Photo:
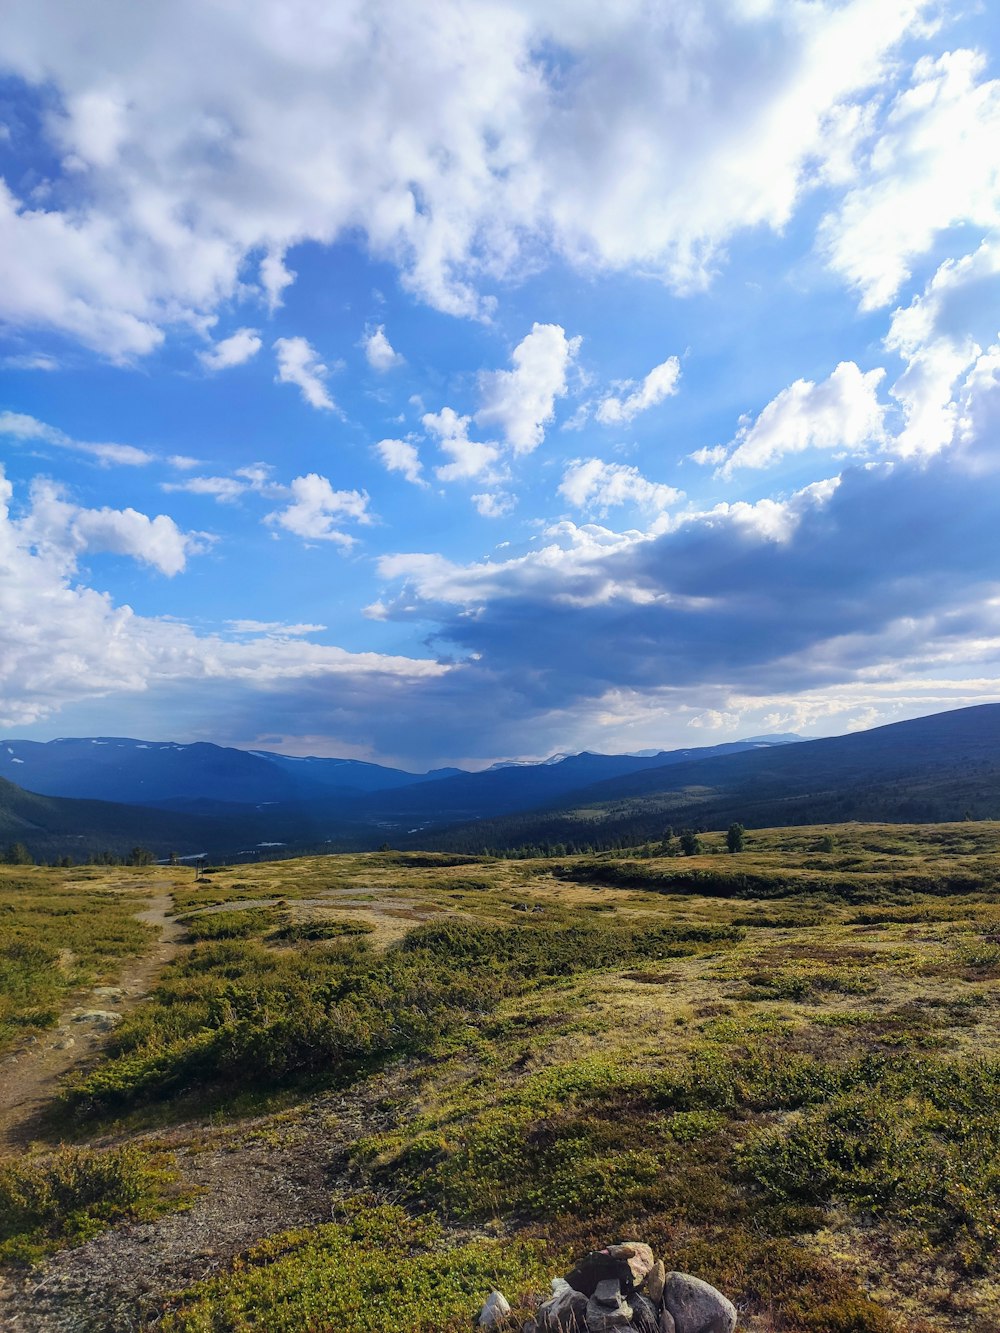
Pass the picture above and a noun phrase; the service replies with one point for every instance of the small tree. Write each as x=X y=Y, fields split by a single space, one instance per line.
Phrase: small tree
x=690 y=843
x=18 y=855
x=140 y=856
x=736 y=837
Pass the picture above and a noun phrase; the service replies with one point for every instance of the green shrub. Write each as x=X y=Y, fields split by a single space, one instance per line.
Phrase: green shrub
x=67 y=1195
x=377 y=1269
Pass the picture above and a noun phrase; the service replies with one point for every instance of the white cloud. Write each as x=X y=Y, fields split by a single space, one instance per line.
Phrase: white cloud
x=31 y=361
x=841 y=412
x=938 y=336
x=66 y=642
x=379 y=351
x=470 y=458
x=299 y=364
x=592 y=484
x=933 y=167
x=232 y=351
x=522 y=401
x=315 y=508
x=402 y=456
x=186 y=159
x=223 y=489
x=64 y=531
x=710 y=455
x=20 y=426
x=254 y=477
x=494 y=504
x=183 y=463
x=275 y=276
x=273 y=628
x=660 y=383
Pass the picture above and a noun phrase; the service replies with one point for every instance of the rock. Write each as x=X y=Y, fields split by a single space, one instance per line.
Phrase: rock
x=697 y=1307
x=607 y=1310
x=564 y=1312
x=66 y=1044
x=655 y=1279
x=112 y=993
x=629 y=1262
x=495 y=1312
x=102 y=1019
x=644 y=1315
x=667 y=1324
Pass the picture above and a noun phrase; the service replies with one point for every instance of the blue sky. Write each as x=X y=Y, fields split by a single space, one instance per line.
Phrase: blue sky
x=449 y=382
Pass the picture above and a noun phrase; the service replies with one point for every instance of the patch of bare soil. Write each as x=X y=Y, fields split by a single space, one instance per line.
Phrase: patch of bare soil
x=29 y=1077
x=250 y=1181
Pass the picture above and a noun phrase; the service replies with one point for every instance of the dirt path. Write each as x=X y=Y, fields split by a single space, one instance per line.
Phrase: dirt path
x=29 y=1077
x=253 y=1180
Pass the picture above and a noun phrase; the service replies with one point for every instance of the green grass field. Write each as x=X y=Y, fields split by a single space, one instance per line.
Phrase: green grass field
x=781 y=1068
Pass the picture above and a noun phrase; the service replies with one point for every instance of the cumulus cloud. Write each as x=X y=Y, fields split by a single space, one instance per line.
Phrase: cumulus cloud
x=589 y=483
x=379 y=352
x=184 y=159
x=660 y=383
x=816 y=592
x=19 y=426
x=470 y=458
x=299 y=364
x=239 y=347
x=521 y=402
x=939 y=336
x=402 y=456
x=841 y=412
x=64 y=531
x=315 y=507
x=66 y=643
x=933 y=166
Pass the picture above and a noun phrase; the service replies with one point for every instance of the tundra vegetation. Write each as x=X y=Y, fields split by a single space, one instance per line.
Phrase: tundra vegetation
x=777 y=1063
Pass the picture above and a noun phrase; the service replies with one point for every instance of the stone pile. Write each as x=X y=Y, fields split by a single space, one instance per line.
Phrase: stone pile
x=620 y=1289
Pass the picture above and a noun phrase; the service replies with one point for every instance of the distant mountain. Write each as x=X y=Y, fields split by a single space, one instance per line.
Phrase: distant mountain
x=509 y=787
x=941 y=767
x=117 y=768
x=933 y=768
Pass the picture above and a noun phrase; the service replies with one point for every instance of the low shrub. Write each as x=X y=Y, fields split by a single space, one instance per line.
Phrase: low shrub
x=68 y=1195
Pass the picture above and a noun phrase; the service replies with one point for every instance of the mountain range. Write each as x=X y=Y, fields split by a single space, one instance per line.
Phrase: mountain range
x=229 y=802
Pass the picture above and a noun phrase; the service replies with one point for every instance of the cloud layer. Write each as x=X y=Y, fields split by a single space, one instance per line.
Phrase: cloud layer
x=198 y=151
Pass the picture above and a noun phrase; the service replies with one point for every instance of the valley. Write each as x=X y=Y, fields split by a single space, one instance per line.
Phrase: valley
x=362 y=1090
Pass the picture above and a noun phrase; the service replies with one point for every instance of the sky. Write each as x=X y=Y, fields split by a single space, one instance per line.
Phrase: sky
x=468 y=380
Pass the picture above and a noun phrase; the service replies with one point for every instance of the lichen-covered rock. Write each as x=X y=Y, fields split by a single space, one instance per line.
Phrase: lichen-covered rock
x=652 y=1288
x=495 y=1312
x=607 y=1310
x=564 y=1312
x=628 y=1262
x=696 y=1306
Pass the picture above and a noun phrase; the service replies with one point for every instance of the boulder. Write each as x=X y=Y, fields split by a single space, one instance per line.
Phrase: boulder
x=607 y=1310
x=667 y=1324
x=644 y=1314
x=696 y=1306
x=655 y=1279
x=495 y=1312
x=564 y=1312
x=628 y=1262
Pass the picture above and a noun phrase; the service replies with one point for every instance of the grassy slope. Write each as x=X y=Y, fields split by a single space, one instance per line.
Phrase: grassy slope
x=943 y=767
x=789 y=1082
